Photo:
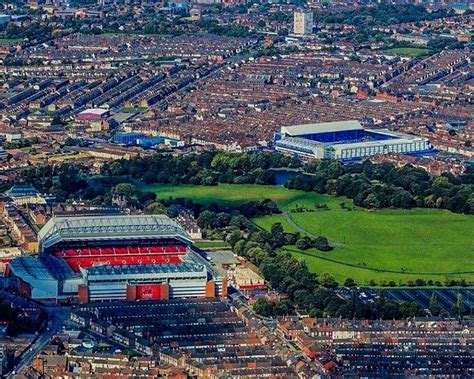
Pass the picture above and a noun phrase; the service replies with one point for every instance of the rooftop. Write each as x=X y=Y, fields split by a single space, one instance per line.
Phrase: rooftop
x=46 y=268
x=108 y=227
x=94 y=111
x=22 y=190
x=321 y=127
x=165 y=268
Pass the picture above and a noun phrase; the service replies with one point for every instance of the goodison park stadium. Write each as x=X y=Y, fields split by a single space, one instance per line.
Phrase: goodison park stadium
x=117 y=257
x=345 y=141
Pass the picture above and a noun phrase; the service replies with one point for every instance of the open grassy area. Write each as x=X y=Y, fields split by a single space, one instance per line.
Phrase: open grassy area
x=134 y=109
x=9 y=41
x=212 y=244
x=410 y=51
x=231 y=195
x=382 y=245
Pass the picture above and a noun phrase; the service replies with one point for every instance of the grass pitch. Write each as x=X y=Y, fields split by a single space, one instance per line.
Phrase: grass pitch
x=410 y=51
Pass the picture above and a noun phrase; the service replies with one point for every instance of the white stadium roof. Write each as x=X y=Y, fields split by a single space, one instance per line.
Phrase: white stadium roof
x=322 y=127
x=109 y=227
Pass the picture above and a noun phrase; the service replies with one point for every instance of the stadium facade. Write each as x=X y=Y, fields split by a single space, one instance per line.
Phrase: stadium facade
x=115 y=257
x=345 y=141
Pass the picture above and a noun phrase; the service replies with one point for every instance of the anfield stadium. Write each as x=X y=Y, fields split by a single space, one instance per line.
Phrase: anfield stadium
x=345 y=141
x=115 y=257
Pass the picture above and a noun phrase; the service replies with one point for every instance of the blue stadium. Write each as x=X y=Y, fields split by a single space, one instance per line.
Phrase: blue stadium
x=345 y=140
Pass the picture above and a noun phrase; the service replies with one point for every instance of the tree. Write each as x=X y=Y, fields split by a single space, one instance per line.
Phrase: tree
x=240 y=221
x=327 y=280
x=278 y=235
x=458 y=307
x=57 y=121
x=263 y=307
x=277 y=229
x=434 y=306
x=256 y=255
x=125 y=189
x=206 y=219
x=233 y=237
x=409 y=309
x=221 y=220
x=372 y=201
x=239 y=247
x=322 y=244
x=349 y=282
x=155 y=208
x=69 y=179
x=304 y=243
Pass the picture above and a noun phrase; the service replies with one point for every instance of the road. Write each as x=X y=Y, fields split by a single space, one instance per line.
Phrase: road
x=56 y=319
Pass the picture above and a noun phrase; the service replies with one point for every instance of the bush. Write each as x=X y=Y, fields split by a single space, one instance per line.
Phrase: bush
x=349 y=282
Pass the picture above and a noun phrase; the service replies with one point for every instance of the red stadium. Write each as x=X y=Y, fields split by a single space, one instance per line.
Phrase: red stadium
x=84 y=242
x=79 y=256
x=116 y=257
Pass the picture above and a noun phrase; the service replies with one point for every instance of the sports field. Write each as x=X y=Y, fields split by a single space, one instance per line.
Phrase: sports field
x=382 y=245
x=410 y=51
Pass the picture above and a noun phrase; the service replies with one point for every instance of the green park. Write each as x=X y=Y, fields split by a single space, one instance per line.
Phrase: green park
x=410 y=51
x=387 y=246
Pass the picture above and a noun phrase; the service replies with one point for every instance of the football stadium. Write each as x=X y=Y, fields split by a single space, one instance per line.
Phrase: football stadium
x=98 y=258
x=345 y=141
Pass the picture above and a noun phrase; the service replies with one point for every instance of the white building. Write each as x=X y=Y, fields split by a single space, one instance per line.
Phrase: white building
x=303 y=22
x=345 y=140
x=187 y=279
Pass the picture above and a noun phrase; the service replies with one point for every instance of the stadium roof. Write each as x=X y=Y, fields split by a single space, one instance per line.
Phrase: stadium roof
x=31 y=269
x=301 y=144
x=110 y=227
x=140 y=270
x=322 y=127
x=21 y=190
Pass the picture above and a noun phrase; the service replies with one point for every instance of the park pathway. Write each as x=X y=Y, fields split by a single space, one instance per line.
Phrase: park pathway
x=298 y=228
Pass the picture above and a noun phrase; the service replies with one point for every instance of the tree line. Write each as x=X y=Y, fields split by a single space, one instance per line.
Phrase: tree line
x=383 y=14
x=369 y=185
x=385 y=185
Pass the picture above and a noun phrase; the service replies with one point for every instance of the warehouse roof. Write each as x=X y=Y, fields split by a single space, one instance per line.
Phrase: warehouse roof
x=109 y=227
x=94 y=111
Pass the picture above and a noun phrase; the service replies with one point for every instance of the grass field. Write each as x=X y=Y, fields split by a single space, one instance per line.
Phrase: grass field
x=212 y=244
x=134 y=109
x=9 y=41
x=382 y=245
x=227 y=194
x=410 y=51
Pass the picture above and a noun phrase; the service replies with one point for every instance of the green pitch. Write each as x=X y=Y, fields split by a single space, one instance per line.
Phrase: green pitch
x=410 y=51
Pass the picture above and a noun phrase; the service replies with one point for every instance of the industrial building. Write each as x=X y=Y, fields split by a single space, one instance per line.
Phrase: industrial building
x=93 y=114
x=128 y=138
x=115 y=257
x=345 y=141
